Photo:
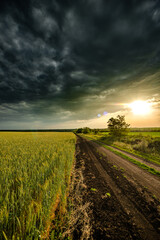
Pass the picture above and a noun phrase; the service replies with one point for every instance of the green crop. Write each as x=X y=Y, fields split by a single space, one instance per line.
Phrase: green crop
x=35 y=171
x=94 y=189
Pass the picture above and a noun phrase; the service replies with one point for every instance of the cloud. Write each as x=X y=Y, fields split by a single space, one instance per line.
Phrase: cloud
x=77 y=57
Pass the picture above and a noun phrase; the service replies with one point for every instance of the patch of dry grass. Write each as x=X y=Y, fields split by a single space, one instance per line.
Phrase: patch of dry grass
x=79 y=223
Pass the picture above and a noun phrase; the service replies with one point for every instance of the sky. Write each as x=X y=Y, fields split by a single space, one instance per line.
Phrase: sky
x=70 y=64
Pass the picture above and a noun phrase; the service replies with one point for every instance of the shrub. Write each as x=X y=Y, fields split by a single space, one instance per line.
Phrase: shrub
x=142 y=146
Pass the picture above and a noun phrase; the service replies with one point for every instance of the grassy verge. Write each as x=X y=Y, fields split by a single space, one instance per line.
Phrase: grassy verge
x=146 y=156
x=139 y=164
x=103 y=137
x=75 y=222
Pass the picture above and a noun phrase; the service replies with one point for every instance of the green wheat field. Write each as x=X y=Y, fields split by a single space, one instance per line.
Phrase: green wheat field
x=35 y=171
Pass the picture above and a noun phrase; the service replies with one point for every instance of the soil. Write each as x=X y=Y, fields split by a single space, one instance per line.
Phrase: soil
x=123 y=204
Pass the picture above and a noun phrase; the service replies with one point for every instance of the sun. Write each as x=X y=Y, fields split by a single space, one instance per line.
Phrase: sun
x=140 y=107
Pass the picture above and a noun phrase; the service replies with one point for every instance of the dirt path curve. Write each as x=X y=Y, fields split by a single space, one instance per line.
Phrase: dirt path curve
x=128 y=210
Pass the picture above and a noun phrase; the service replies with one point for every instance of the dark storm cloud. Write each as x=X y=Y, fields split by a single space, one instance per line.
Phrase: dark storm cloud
x=65 y=55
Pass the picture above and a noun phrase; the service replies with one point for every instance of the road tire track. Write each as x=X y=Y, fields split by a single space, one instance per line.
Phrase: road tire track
x=133 y=206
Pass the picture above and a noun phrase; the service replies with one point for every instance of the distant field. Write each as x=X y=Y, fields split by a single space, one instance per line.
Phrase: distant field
x=152 y=129
x=151 y=134
x=35 y=172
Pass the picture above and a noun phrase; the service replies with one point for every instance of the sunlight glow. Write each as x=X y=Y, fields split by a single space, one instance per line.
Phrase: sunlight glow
x=140 y=107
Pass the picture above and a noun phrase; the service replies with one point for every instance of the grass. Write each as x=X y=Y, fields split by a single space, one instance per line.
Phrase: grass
x=152 y=157
x=108 y=195
x=147 y=147
x=35 y=173
x=139 y=164
x=76 y=220
x=94 y=189
x=150 y=134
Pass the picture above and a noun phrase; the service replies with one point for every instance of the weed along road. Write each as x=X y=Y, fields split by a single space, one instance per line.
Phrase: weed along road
x=124 y=199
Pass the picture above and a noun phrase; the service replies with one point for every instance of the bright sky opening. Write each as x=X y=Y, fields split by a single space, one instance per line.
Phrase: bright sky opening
x=140 y=107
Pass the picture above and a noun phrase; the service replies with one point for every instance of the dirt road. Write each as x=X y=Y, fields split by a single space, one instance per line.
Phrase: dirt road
x=148 y=163
x=122 y=201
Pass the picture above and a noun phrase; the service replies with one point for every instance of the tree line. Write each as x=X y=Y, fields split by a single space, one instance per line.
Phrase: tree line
x=116 y=126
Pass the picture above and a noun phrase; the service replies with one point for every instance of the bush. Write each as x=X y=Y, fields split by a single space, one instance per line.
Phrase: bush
x=86 y=130
x=142 y=146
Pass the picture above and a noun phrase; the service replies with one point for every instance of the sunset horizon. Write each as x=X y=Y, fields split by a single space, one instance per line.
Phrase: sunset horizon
x=67 y=64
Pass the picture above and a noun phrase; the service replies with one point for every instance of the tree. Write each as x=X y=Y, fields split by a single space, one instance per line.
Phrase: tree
x=83 y=130
x=86 y=130
x=96 y=131
x=118 y=126
x=79 y=130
